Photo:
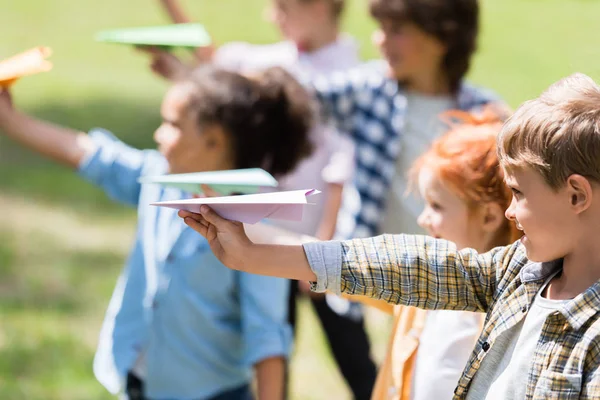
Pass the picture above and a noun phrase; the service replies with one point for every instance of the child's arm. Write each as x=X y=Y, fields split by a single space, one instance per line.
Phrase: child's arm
x=338 y=172
x=175 y=11
x=333 y=202
x=229 y=243
x=399 y=269
x=267 y=335
x=367 y=301
x=64 y=145
x=99 y=157
x=178 y=16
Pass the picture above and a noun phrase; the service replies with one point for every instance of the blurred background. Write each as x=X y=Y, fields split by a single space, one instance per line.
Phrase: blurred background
x=63 y=243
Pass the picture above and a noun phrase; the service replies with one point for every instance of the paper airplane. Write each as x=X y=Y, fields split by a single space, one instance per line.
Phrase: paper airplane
x=27 y=63
x=264 y=233
x=176 y=35
x=242 y=181
x=250 y=208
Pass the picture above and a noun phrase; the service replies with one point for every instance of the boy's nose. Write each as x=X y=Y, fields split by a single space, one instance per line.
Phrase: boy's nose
x=158 y=136
x=510 y=211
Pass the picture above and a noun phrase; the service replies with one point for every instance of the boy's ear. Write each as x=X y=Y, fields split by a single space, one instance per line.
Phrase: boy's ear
x=493 y=217
x=215 y=137
x=579 y=190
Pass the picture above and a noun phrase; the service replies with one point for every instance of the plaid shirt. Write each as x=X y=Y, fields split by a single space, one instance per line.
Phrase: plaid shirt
x=372 y=107
x=433 y=274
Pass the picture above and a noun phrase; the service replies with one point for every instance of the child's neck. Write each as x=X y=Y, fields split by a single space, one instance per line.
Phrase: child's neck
x=431 y=82
x=322 y=38
x=581 y=269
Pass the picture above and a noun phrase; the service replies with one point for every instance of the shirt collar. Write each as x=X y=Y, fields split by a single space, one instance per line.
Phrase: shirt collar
x=576 y=311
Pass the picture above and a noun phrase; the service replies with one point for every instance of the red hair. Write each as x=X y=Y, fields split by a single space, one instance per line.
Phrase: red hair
x=465 y=160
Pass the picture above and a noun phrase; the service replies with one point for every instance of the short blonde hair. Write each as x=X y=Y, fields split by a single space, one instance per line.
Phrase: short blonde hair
x=557 y=134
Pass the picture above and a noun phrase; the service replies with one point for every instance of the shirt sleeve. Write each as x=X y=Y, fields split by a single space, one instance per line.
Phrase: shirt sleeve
x=114 y=167
x=231 y=56
x=412 y=270
x=264 y=307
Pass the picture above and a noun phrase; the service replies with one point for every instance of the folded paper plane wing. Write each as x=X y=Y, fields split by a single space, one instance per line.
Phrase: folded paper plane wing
x=175 y=35
x=239 y=181
x=250 y=208
x=30 y=62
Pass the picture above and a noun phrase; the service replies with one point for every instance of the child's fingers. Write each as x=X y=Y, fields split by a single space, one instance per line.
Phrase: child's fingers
x=197 y=226
x=208 y=191
x=212 y=217
x=187 y=214
x=149 y=49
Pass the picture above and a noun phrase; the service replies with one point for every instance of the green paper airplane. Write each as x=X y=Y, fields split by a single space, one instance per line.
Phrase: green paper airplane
x=176 y=35
x=240 y=181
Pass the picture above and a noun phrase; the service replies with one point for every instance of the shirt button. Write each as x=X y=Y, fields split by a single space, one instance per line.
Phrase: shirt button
x=524 y=309
x=485 y=346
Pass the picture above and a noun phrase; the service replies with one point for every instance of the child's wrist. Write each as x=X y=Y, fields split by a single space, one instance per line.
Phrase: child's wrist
x=250 y=256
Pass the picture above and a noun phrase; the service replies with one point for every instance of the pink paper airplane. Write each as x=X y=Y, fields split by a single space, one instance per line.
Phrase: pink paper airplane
x=250 y=208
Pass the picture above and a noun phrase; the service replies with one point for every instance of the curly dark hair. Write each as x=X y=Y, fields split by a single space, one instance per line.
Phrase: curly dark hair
x=454 y=22
x=268 y=117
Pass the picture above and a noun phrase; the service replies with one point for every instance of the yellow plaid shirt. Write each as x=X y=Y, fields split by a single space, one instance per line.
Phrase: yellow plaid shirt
x=433 y=274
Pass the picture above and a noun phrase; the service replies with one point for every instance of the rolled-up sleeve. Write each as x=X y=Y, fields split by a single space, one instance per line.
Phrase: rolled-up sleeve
x=412 y=270
x=265 y=327
x=114 y=167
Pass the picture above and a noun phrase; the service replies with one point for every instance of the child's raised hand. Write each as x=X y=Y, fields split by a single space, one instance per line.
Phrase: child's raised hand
x=165 y=64
x=227 y=239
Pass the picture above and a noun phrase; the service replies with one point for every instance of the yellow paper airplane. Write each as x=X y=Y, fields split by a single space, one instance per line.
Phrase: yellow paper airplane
x=27 y=63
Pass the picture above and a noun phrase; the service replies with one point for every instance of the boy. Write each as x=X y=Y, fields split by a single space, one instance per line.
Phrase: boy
x=541 y=338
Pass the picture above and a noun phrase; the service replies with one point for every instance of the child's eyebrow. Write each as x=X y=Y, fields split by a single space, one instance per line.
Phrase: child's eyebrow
x=170 y=121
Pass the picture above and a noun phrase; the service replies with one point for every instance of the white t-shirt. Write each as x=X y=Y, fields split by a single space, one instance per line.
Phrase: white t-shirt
x=445 y=344
x=504 y=372
x=422 y=126
x=333 y=158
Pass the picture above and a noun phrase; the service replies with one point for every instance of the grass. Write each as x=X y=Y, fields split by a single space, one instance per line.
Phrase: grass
x=62 y=242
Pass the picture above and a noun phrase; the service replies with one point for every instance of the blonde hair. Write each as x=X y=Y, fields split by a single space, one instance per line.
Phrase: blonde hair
x=557 y=134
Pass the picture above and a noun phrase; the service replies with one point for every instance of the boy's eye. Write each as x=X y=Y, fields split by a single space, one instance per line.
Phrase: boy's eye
x=516 y=192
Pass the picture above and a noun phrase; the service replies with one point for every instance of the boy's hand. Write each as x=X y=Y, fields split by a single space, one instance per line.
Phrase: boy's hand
x=227 y=239
x=166 y=64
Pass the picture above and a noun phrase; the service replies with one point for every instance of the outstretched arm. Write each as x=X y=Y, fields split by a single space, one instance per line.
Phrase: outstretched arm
x=412 y=270
x=61 y=144
x=232 y=247
x=178 y=16
x=175 y=11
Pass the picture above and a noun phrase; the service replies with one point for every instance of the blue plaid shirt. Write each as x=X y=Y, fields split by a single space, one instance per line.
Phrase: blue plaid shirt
x=371 y=106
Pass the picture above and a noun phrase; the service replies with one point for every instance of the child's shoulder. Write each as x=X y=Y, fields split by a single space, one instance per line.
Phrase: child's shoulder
x=246 y=55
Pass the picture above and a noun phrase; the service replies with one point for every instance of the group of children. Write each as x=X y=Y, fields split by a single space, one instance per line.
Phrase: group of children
x=499 y=301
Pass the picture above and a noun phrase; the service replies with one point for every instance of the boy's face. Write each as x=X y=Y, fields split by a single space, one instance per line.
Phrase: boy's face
x=544 y=215
x=297 y=20
x=409 y=51
x=186 y=146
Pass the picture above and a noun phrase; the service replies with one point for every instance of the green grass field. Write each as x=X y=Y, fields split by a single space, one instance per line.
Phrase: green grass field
x=62 y=243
